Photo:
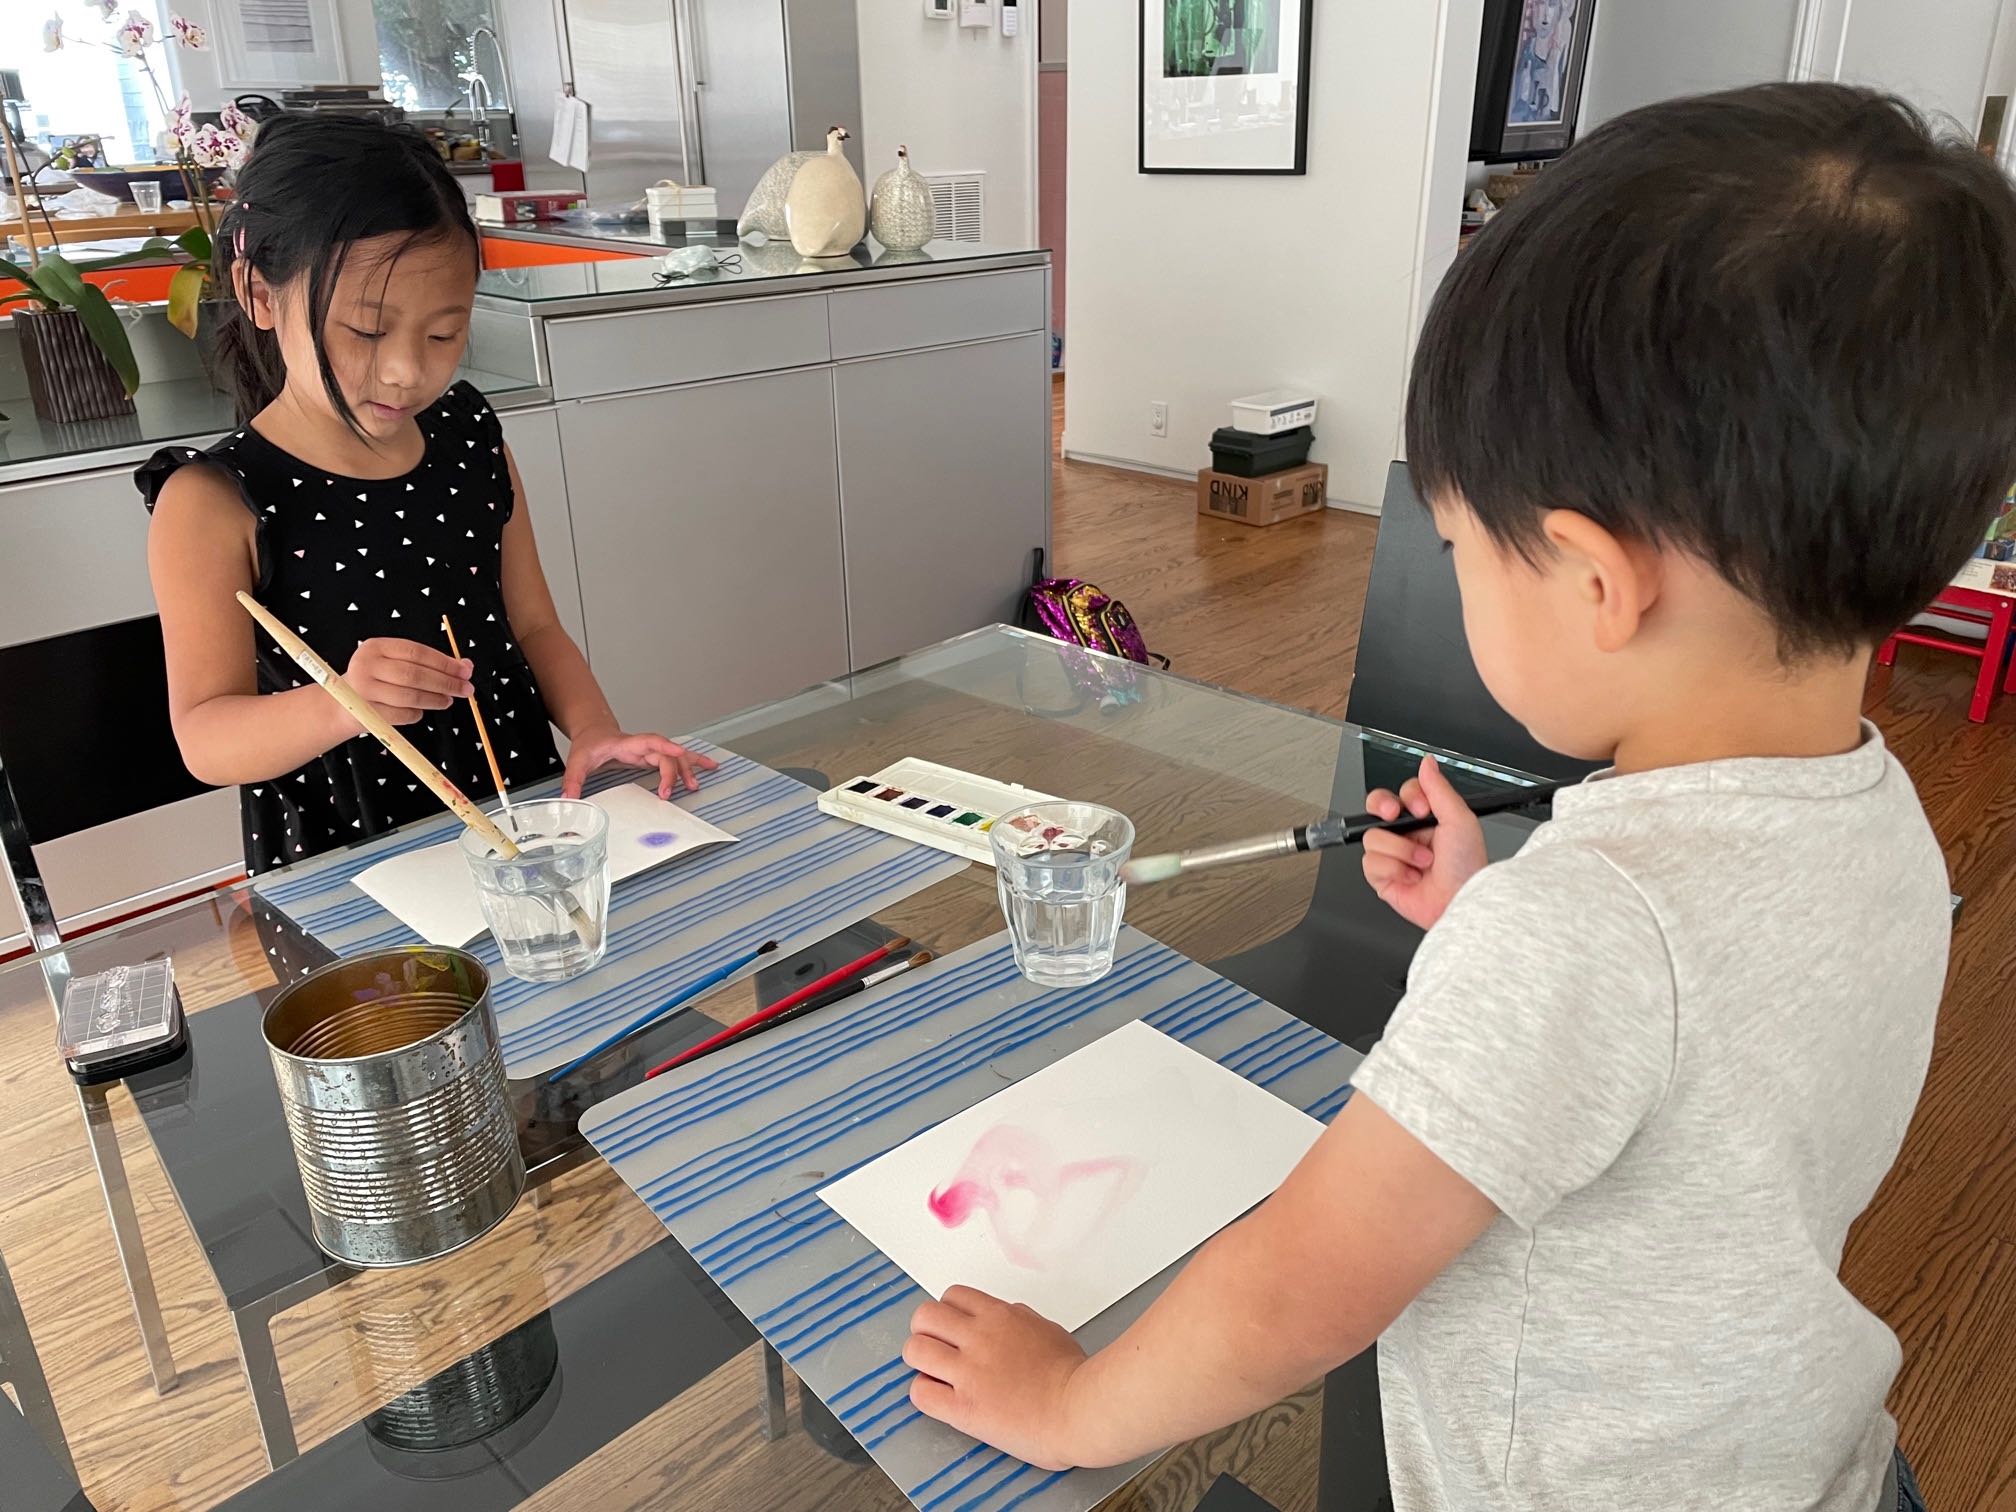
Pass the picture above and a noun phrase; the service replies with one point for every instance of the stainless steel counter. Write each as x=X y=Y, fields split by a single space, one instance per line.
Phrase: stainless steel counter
x=507 y=350
x=588 y=288
x=166 y=411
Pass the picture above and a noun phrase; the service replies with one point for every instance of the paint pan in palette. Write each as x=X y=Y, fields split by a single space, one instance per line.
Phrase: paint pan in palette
x=934 y=805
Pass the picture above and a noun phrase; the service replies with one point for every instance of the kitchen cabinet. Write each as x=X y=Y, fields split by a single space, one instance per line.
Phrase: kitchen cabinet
x=534 y=438
x=76 y=555
x=708 y=520
x=945 y=504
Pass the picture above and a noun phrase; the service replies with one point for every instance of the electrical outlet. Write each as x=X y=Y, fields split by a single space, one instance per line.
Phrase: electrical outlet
x=1158 y=418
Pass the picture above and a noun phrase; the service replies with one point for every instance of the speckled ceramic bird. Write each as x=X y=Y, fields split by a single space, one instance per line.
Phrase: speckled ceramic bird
x=826 y=210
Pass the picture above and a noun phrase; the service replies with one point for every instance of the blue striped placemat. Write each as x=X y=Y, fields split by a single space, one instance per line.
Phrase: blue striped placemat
x=730 y=1152
x=795 y=876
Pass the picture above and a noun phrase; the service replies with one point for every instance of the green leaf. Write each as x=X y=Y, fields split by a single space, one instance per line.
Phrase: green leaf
x=59 y=279
x=185 y=291
x=196 y=242
x=108 y=332
x=152 y=250
x=20 y=275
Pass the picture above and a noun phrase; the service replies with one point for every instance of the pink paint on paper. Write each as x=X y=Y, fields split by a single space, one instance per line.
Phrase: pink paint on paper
x=1041 y=1209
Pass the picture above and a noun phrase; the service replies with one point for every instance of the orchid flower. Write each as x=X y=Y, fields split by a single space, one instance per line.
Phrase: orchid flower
x=180 y=124
x=107 y=9
x=135 y=35
x=188 y=33
x=235 y=121
x=52 y=34
x=212 y=148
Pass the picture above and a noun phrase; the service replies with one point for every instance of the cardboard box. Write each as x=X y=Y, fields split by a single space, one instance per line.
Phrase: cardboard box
x=1266 y=500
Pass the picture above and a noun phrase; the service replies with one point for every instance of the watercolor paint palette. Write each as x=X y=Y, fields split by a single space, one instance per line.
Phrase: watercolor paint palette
x=934 y=805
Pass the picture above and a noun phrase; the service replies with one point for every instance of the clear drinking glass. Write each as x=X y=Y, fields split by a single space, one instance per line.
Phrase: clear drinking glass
x=548 y=906
x=146 y=198
x=1057 y=866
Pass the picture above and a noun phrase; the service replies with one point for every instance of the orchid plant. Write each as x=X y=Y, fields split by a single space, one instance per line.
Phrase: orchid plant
x=196 y=148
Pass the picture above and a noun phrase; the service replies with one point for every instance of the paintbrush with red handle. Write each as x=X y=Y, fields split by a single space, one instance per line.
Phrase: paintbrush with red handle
x=784 y=1005
x=844 y=990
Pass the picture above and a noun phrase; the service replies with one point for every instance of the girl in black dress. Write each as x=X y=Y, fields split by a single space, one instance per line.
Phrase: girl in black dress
x=367 y=495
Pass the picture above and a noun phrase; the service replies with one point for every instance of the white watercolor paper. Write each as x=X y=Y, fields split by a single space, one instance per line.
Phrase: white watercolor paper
x=1075 y=1185
x=432 y=893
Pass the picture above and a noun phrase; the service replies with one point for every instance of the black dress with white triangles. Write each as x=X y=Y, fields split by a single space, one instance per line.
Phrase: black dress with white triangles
x=344 y=559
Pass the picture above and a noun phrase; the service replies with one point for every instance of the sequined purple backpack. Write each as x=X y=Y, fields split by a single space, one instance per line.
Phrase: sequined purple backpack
x=1081 y=614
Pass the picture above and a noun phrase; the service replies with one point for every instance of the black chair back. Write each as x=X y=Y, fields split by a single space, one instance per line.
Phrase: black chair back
x=1415 y=679
x=84 y=739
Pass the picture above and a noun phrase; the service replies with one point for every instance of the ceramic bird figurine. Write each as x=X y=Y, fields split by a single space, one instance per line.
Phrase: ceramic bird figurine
x=899 y=211
x=826 y=210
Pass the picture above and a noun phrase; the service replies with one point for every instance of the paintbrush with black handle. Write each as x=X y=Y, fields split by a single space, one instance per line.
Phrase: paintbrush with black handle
x=1321 y=835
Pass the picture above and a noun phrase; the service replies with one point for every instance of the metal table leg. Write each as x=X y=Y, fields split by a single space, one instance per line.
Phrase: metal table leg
x=126 y=1234
x=269 y=1392
x=775 y=1423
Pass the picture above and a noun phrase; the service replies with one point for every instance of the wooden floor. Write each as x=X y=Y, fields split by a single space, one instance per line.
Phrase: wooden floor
x=1275 y=612
x=1269 y=612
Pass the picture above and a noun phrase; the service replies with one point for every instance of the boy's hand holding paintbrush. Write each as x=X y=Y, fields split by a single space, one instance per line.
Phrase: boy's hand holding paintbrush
x=1417 y=874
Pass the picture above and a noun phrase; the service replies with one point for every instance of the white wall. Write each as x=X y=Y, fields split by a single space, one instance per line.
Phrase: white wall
x=1933 y=52
x=1192 y=290
x=963 y=100
x=1646 y=50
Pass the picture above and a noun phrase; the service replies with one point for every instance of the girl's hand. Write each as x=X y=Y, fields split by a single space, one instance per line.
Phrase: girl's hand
x=1418 y=874
x=996 y=1371
x=406 y=679
x=603 y=745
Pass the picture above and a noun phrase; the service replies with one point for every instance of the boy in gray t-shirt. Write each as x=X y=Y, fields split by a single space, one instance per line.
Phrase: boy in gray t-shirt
x=1723 y=399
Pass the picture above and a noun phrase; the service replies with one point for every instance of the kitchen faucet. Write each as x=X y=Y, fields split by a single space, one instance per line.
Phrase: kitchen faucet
x=481 y=97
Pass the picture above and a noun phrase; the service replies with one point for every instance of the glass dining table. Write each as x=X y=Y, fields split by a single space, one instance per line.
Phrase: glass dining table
x=174 y=1338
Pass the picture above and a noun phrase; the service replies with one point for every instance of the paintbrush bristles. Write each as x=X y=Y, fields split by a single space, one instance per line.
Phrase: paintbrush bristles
x=1145 y=869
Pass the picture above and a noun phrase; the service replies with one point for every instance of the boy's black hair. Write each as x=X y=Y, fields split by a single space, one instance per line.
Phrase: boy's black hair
x=1775 y=328
x=312 y=186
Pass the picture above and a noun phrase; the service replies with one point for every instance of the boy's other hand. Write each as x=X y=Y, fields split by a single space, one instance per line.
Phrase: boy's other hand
x=1416 y=875
x=996 y=1371
x=406 y=679
x=596 y=748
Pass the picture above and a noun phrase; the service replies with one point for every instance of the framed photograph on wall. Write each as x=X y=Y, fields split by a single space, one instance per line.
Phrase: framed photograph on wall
x=278 y=44
x=1224 y=86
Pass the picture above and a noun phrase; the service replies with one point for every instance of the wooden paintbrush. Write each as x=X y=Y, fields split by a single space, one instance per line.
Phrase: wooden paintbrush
x=482 y=731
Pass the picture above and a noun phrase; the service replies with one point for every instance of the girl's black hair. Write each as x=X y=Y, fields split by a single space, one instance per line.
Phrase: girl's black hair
x=313 y=186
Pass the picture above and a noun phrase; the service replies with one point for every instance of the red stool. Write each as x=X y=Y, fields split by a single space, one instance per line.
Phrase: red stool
x=1996 y=612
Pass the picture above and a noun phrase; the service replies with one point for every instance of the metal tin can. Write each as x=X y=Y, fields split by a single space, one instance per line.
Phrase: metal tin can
x=393 y=1086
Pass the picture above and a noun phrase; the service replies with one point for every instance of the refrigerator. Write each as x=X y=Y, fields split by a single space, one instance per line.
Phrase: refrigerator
x=701 y=91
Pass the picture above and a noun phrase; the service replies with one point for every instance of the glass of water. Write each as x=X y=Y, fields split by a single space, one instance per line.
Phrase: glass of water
x=146 y=198
x=548 y=906
x=1057 y=866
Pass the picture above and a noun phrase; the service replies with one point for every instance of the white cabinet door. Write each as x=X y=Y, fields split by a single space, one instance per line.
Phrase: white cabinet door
x=707 y=531
x=534 y=439
x=944 y=505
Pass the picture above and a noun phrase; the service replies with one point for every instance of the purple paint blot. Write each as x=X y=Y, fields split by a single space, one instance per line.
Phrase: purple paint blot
x=658 y=839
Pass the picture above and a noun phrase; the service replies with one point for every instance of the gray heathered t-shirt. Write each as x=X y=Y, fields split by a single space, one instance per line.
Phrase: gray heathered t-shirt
x=1676 y=1040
